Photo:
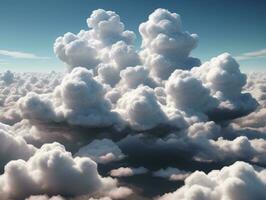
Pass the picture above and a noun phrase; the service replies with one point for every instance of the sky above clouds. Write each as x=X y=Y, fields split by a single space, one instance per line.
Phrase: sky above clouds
x=29 y=28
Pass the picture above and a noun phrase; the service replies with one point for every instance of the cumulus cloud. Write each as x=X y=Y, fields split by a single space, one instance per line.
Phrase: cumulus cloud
x=238 y=181
x=13 y=147
x=156 y=105
x=51 y=170
x=198 y=98
x=8 y=77
x=140 y=108
x=13 y=86
x=222 y=75
x=79 y=100
x=90 y=48
x=126 y=89
x=165 y=47
x=101 y=151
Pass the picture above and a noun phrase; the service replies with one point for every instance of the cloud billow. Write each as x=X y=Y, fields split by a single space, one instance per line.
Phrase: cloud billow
x=136 y=115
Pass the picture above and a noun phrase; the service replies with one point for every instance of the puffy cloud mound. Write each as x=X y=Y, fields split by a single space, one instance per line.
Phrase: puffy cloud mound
x=238 y=181
x=165 y=46
x=198 y=98
x=101 y=151
x=13 y=147
x=51 y=170
x=255 y=121
x=223 y=77
x=92 y=47
x=140 y=108
x=21 y=85
x=79 y=100
x=256 y=85
x=8 y=77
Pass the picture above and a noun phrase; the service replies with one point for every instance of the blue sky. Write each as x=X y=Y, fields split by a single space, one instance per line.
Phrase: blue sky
x=31 y=26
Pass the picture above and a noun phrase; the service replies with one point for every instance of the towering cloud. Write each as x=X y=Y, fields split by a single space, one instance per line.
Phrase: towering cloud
x=165 y=46
x=90 y=48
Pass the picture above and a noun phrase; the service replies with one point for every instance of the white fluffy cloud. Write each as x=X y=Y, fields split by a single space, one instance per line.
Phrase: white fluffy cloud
x=140 y=108
x=157 y=102
x=90 y=48
x=238 y=181
x=51 y=170
x=165 y=46
x=225 y=80
x=79 y=100
x=198 y=98
x=13 y=147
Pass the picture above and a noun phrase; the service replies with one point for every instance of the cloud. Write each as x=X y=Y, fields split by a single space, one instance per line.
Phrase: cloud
x=173 y=174
x=8 y=77
x=127 y=171
x=198 y=98
x=165 y=47
x=20 y=55
x=251 y=55
x=140 y=108
x=120 y=193
x=44 y=197
x=51 y=170
x=106 y=35
x=157 y=105
x=238 y=181
x=79 y=100
x=101 y=151
x=13 y=147
x=113 y=194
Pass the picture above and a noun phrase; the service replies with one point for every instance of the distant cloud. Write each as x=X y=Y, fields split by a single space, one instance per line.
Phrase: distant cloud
x=252 y=55
x=23 y=55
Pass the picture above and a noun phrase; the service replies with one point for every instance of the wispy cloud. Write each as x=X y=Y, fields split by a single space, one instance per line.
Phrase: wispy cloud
x=22 y=55
x=252 y=55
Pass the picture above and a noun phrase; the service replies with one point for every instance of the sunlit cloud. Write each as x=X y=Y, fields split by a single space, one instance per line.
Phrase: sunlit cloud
x=252 y=55
x=20 y=55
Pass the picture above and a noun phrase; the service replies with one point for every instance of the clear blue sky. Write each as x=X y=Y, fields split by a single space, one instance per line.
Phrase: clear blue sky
x=31 y=26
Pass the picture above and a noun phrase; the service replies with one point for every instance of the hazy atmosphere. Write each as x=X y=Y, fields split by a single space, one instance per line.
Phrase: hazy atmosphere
x=133 y=100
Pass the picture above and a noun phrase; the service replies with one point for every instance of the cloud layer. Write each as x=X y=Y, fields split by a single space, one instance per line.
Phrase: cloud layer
x=146 y=117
